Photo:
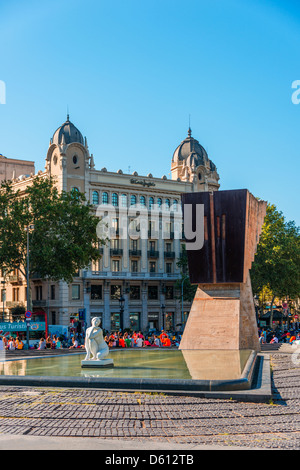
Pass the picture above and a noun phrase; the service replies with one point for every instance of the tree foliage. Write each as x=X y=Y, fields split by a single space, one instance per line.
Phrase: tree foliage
x=277 y=261
x=63 y=238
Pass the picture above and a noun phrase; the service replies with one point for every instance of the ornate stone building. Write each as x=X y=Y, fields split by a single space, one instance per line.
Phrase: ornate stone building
x=13 y=168
x=142 y=271
x=190 y=163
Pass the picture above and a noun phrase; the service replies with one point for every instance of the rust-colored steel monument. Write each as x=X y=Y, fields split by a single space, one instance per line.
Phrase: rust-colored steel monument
x=222 y=316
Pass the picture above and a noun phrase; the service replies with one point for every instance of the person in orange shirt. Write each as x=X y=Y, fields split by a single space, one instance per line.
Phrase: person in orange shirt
x=19 y=344
x=166 y=342
x=162 y=336
x=292 y=338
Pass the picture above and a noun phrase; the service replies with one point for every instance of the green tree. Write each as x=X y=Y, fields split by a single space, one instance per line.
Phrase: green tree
x=63 y=237
x=277 y=261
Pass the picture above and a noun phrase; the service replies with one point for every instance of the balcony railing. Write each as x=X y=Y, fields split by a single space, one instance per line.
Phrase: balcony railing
x=39 y=303
x=131 y=275
x=153 y=254
x=170 y=254
x=14 y=303
x=15 y=279
x=116 y=252
x=135 y=253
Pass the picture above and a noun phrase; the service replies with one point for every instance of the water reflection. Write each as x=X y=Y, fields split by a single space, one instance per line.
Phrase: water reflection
x=216 y=365
x=13 y=367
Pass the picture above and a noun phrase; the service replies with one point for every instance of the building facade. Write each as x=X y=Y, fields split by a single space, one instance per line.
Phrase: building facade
x=13 y=168
x=136 y=283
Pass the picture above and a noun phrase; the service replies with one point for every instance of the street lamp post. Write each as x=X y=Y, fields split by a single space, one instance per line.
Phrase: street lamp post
x=182 y=315
x=121 y=302
x=3 y=298
x=29 y=227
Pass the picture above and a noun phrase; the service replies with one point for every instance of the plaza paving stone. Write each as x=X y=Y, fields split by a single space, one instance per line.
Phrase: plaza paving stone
x=182 y=420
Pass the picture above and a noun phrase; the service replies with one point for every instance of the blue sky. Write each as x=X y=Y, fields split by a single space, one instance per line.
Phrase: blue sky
x=133 y=71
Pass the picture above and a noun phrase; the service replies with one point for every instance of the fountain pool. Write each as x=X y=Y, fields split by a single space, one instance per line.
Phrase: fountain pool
x=139 y=369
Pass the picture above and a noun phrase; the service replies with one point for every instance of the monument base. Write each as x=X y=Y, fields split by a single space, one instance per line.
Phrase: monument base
x=104 y=363
x=222 y=317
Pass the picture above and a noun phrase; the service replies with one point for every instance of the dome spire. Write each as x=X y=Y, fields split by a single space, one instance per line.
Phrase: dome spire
x=67 y=133
x=190 y=130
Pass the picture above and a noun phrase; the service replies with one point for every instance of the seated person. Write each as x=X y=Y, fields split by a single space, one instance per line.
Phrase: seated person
x=166 y=342
x=74 y=343
x=163 y=335
x=156 y=342
x=139 y=342
x=42 y=344
x=19 y=343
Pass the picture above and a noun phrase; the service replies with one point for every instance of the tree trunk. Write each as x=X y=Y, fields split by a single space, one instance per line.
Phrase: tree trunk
x=271 y=313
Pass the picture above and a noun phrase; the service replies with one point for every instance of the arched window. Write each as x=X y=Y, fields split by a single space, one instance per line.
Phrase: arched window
x=75 y=192
x=143 y=201
x=175 y=205
x=95 y=198
x=159 y=202
x=168 y=204
x=115 y=199
x=151 y=202
x=104 y=198
x=124 y=200
x=133 y=200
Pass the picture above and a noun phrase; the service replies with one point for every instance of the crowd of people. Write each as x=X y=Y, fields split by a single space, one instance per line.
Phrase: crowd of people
x=136 y=339
x=139 y=340
x=51 y=342
x=10 y=343
x=278 y=336
x=115 y=339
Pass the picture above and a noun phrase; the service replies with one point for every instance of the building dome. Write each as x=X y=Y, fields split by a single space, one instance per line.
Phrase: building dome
x=190 y=151
x=67 y=134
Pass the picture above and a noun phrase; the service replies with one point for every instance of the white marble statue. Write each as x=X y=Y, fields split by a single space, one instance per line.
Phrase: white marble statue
x=96 y=347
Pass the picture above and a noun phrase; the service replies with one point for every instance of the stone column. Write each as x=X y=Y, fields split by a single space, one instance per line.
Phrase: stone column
x=126 y=320
x=63 y=293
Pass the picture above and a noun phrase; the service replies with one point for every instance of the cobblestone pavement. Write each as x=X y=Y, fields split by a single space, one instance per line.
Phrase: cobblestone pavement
x=159 y=417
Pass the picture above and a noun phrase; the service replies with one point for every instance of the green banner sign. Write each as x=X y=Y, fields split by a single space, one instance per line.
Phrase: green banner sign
x=21 y=326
